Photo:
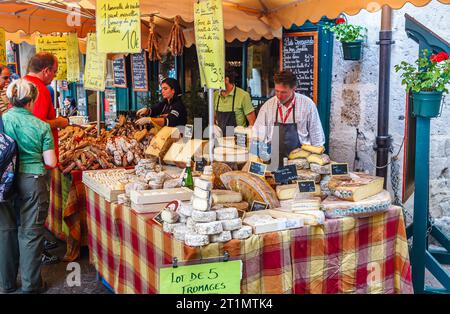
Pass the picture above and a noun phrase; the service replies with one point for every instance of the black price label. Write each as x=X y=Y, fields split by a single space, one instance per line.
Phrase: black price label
x=241 y=139
x=158 y=218
x=188 y=130
x=258 y=206
x=286 y=174
x=339 y=169
x=257 y=169
x=200 y=165
x=307 y=186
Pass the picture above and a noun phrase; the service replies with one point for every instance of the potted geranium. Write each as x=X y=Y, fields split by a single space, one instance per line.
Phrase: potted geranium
x=426 y=79
x=350 y=36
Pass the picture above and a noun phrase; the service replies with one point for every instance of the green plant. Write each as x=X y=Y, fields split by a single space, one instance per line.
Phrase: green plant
x=196 y=105
x=430 y=73
x=152 y=97
x=346 y=32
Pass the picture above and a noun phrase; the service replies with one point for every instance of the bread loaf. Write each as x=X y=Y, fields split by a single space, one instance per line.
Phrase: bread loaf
x=299 y=153
x=313 y=149
x=323 y=159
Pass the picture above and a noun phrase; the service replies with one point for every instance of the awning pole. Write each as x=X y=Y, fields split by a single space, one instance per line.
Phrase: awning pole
x=384 y=140
x=211 y=123
x=98 y=113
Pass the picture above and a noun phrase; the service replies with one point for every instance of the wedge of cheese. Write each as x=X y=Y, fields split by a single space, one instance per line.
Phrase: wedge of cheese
x=313 y=149
x=325 y=169
x=300 y=163
x=174 y=151
x=226 y=154
x=287 y=192
x=193 y=148
x=319 y=159
x=225 y=196
x=307 y=203
x=355 y=186
x=335 y=207
x=162 y=141
x=298 y=153
x=308 y=175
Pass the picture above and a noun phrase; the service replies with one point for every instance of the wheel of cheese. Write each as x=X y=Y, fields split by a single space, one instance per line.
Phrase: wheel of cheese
x=298 y=153
x=190 y=224
x=195 y=239
x=300 y=163
x=201 y=216
x=326 y=169
x=169 y=216
x=219 y=168
x=356 y=186
x=231 y=224
x=224 y=236
x=179 y=232
x=225 y=196
x=308 y=175
x=208 y=228
x=242 y=233
x=319 y=159
x=227 y=213
x=201 y=204
x=167 y=227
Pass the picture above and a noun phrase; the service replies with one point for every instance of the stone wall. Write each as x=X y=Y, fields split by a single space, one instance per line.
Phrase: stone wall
x=355 y=101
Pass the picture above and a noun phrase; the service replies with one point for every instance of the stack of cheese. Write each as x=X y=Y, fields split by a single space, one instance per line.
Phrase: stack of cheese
x=228 y=151
x=200 y=224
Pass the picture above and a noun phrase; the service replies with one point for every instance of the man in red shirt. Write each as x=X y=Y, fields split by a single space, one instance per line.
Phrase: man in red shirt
x=42 y=69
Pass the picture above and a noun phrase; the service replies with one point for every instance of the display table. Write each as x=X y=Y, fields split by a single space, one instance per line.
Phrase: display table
x=67 y=212
x=344 y=256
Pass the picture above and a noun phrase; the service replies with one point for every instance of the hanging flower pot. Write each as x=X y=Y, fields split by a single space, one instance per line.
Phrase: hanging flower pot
x=427 y=80
x=427 y=104
x=350 y=36
x=352 y=50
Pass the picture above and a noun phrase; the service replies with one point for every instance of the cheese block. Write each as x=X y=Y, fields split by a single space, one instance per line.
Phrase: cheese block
x=179 y=232
x=355 y=186
x=203 y=184
x=288 y=191
x=239 y=206
x=219 y=168
x=308 y=175
x=324 y=183
x=242 y=233
x=213 y=227
x=190 y=224
x=195 y=239
x=201 y=204
x=298 y=153
x=201 y=216
x=224 y=236
x=319 y=159
x=225 y=196
x=335 y=207
x=226 y=141
x=300 y=163
x=160 y=196
x=231 y=224
x=168 y=227
x=161 y=142
x=169 y=216
x=226 y=154
x=309 y=217
x=183 y=218
x=193 y=148
x=252 y=187
x=307 y=203
x=185 y=209
x=326 y=169
x=200 y=193
x=174 y=150
x=227 y=213
x=313 y=149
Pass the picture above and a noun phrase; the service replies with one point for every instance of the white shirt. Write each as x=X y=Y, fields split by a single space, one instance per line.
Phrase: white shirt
x=309 y=127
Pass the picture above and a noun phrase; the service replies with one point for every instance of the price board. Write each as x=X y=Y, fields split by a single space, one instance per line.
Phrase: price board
x=286 y=174
x=2 y=46
x=258 y=206
x=119 y=73
x=95 y=69
x=257 y=168
x=56 y=45
x=139 y=72
x=339 y=169
x=241 y=139
x=307 y=186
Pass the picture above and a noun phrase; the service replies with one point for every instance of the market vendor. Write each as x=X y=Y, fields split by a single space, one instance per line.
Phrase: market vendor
x=294 y=114
x=169 y=112
x=233 y=106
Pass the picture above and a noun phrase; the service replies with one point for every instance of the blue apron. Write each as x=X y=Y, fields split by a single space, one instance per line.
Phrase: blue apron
x=288 y=136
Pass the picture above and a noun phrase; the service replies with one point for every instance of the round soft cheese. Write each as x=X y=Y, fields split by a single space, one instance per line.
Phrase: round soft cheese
x=214 y=227
x=200 y=216
x=232 y=224
x=194 y=239
x=227 y=213
x=224 y=236
x=242 y=233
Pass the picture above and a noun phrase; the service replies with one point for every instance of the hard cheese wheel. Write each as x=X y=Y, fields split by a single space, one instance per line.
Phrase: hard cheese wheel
x=252 y=187
x=162 y=141
x=300 y=163
x=174 y=151
x=355 y=186
x=219 y=168
x=308 y=175
x=286 y=192
x=326 y=169
x=225 y=196
x=299 y=153
x=335 y=207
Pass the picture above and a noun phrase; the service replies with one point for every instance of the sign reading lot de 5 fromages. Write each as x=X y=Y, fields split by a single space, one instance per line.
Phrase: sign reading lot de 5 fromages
x=95 y=69
x=211 y=278
x=118 y=26
x=210 y=42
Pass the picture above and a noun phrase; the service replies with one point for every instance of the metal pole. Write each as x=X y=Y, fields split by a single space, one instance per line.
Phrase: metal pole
x=98 y=113
x=211 y=123
x=384 y=140
x=55 y=98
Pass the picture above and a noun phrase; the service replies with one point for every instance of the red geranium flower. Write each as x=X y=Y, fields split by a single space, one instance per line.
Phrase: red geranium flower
x=441 y=56
x=433 y=58
x=340 y=21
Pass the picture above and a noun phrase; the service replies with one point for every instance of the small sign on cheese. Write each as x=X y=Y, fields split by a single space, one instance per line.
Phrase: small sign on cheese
x=339 y=169
x=258 y=206
x=307 y=186
x=257 y=168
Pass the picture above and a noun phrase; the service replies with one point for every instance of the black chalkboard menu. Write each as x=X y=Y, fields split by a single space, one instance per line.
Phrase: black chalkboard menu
x=119 y=73
x=307 y=186
x=139 y=71
x=299 y=53
x=286 y=174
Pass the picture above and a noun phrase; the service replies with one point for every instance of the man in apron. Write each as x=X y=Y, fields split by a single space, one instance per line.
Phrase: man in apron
x=291 y=117
x=233 y=106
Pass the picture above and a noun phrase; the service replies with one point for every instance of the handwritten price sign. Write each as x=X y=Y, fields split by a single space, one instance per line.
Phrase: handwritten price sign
x=95 y=69
x=211 y=278
x=210 y=42
x=2 y=47
x=73 y=58
x=56 y=45
x=118 y=26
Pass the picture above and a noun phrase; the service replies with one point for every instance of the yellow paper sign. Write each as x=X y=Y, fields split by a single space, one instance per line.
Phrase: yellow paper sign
x=118 y=26
x=73 y=58
x=211 y=278
x=2 y=47
x=95 y=69
x=57 y=46
x=210 y=42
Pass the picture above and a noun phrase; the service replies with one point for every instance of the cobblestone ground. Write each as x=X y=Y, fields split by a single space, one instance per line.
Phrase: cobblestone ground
x=55 y=275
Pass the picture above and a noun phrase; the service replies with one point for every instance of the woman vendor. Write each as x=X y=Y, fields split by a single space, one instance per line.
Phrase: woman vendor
x=169 y=112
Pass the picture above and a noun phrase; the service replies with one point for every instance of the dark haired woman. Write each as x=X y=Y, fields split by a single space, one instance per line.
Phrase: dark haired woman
x=21 y=246
x=169 y=112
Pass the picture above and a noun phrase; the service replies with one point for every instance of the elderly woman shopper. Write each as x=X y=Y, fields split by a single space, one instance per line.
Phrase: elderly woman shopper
x=22 y=245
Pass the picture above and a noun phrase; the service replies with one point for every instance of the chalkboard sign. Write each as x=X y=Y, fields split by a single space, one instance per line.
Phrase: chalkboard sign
x=119 y=73
x=188 y=130
x=257 y=169
x=158 y=219
x=308 y=186
x=12 y=68
x=339 y=169
x=139 y=72
x=299 y=53
x=200 y=165
x=241 y=139
x=286 y=174
x=258 y=206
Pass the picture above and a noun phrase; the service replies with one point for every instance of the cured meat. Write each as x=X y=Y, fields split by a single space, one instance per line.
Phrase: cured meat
x=252 y=187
